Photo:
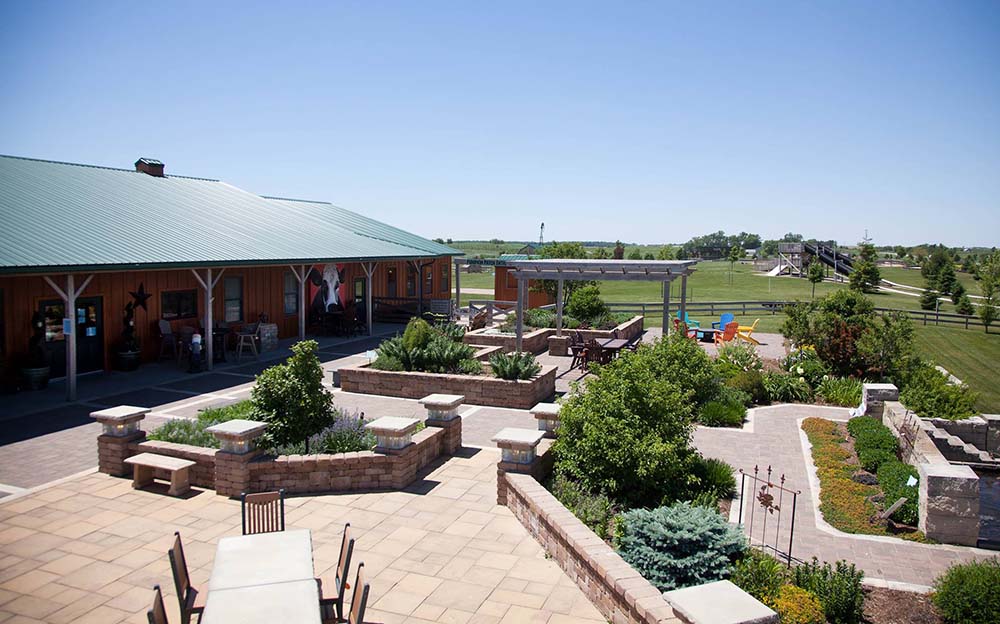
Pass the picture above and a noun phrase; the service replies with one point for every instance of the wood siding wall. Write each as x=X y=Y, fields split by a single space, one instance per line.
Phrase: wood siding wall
x=505 y=289
x=263 y=293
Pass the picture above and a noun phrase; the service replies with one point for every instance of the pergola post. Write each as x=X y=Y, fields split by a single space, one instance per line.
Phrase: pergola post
x=559 y=308
x=666 y=308
x=208 y=285
x=458 y=289
x=300 y=276
x=521 y=283
x=369 y=268
x=684 y=285
x=69 y=302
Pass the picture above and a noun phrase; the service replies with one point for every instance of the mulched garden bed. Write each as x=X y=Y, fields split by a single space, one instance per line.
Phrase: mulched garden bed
x=890 y=606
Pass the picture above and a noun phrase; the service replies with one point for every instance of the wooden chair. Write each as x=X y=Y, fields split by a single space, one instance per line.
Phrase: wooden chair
x=157 y=614
x=331 y=600
x=745 y=332
x=186 y=338
x=247 y=337
x=359 y=599
x=263 y=512
x=191 y=600
x=725 y=319
x=728 y=333
x=167 y=339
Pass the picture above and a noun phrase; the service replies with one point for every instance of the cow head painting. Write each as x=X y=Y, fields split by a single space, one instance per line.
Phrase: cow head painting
x=325 y=289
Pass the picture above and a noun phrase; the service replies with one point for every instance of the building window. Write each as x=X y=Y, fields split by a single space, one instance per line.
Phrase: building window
x=428 y=280
x=390 y=281
x=445 y=278
x=411 y=281
x=291 y=290
x=232 y=288
x=359 y=290
x=179 y=304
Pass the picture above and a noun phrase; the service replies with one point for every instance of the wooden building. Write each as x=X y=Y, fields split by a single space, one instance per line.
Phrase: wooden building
x=82 y=246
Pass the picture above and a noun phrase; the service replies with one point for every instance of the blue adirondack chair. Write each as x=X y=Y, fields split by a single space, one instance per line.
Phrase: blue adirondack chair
x=725 y=318
x=687 y=320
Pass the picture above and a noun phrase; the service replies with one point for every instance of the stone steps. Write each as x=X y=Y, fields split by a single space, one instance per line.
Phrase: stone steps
x=954 y=448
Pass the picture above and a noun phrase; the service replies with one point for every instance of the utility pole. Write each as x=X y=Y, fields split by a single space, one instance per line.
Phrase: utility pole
x=541 y=236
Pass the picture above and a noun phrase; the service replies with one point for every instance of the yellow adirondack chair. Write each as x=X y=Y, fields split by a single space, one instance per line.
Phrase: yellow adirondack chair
x=745 y=332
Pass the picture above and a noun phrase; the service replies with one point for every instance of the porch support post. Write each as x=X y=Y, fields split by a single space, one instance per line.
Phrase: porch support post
x=559 y=308
x=208 y=285
x=369 y=268
x=69 y=302
x=300 y=276
x=684 y=285
x=458 y=290
x=666 y=308
x=521 y=283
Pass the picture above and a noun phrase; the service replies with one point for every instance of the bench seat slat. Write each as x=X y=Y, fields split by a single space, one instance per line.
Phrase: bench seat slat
x=165 y=462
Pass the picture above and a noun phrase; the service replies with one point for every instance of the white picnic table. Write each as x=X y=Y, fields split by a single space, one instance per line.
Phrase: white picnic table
x=266 y=577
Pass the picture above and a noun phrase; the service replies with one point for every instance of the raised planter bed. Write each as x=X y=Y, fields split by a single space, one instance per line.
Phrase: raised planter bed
x=537 y=340
x=478 y=389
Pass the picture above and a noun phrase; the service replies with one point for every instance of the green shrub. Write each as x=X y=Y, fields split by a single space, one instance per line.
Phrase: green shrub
x=514 y=366
x=873 y=442
x=715 y=477
x=967 y=592
x=345 y=434
x=185 y=431
x=728 y=394
x=892 y=478
x=536 y=317
x=417 y=334
x=741 y=356
x=927 y=392
x=594 y=510
x=752 y=383
x=585 y=304
x=680 y=545
x=470 y=366
x=795 y=605
x=718 y=414
x=452 y=331
x=842 y=391
x=760 y=575
x=291 y=398
x=685 y=364
x=786 y=388
x=837 y=586
x=805 y=363
x=627 y=432
x=432 y=351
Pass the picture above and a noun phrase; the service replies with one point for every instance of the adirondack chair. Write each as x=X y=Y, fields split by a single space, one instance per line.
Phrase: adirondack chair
x=745 y=332
x=728 y=333
x=725 y=319
x=687 y=320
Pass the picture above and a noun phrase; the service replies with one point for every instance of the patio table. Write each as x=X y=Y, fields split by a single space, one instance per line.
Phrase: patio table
x=614 y=344
x=267 y=577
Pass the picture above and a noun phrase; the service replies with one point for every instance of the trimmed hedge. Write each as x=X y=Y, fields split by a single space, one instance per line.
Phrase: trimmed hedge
x=873 y=442
x=968 y=592
x=892 y=478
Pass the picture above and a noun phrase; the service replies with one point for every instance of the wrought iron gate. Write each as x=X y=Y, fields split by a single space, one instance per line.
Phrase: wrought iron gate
x=763 y=511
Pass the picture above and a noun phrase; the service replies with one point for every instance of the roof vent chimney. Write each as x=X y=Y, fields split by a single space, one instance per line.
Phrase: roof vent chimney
x=149 y=166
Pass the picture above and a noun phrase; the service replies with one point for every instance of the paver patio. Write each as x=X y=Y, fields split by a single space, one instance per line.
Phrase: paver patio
x=91 y=548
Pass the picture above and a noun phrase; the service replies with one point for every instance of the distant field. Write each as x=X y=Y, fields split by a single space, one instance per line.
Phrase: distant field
x=912 y=277
x=485 y=249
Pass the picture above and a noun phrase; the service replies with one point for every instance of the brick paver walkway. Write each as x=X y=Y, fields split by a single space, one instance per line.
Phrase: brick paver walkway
x=775 y=441
x=91 y=548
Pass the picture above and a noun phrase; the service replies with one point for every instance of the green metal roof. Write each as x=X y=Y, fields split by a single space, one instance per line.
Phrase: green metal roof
x=63 y=216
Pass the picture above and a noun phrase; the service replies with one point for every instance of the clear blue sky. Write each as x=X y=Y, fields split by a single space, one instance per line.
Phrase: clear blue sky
x=648 y=122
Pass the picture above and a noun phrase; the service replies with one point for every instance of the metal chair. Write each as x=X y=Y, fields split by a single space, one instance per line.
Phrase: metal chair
x=157 y=614
x=247 y=337
x=191 y=600
x=332 y=603
x=359 y=599
x=167 y=339
x=263 y=512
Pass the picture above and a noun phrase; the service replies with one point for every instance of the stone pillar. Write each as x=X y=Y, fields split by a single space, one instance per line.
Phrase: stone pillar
x=119 y=430
x=394 y=437
x=949 y=503
x=559 y=345
x=874 y=396
x=547 y=415
x=442 y=412
x=518 y=448
x=237 y=439
x=992 y=433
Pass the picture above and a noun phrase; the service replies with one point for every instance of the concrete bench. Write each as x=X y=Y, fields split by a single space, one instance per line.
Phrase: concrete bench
x=144 y=464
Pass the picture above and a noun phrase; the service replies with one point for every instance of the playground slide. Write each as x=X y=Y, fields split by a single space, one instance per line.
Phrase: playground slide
x=776 y=271
x=840 y=262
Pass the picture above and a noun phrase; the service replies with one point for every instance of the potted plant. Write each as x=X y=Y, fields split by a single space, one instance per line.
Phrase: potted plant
x=128 y=352
x=36 y=368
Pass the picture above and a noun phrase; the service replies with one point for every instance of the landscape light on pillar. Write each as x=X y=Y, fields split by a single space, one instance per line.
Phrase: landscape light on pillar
x=443 y=407
x=238 y=436
x=392 y=433
x=518 y=446
x=121 y=421
x=547 y=415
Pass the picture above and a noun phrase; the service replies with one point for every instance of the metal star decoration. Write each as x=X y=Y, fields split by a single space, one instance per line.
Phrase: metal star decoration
x=141 y=296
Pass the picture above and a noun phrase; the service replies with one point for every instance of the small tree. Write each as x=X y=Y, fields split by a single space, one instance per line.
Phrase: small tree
x=619 y=252
x=964 y=306
x=665 y=253
x=947 y=282
x=291 y=399
x=648 y=256
x=957 y=292
x=865 y=276
x=735 y=253
x=988 y=305
x=635 y=254
x=815 y=275
x=928 y=298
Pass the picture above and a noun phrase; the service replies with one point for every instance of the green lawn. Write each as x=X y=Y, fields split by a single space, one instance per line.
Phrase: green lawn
x=970 y=355
x=912 y=277
x=476 y=280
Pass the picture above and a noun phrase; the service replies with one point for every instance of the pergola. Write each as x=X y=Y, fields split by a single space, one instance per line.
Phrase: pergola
x=664 y=271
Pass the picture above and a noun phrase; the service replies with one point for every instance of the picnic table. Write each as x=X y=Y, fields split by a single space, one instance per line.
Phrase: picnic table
x=267 y=577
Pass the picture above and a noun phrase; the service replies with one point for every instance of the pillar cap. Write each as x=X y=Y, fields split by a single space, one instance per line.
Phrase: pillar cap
x=237 y=429
x=442 y=402
x=511 y=437
x=546 y=410
x=392 y=425
x=120 y=415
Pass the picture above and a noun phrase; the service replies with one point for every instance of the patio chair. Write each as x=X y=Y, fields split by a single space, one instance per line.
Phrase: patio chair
x=167 y=339
x=247 y=337
x=745 y=332
x=186 y=338
x=157 y=614
x=263 y=512
x=728 y=333
x=687 y=320
x=331 y=603
x=191 y=600
x=726 y=318
x=360 y=320
x=359 y=599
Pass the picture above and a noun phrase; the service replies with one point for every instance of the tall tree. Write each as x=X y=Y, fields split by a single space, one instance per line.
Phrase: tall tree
x=865 y=276
x=989 y=282
x=815 y=275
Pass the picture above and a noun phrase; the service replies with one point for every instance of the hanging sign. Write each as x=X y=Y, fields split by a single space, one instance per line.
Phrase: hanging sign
x=67 y=326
